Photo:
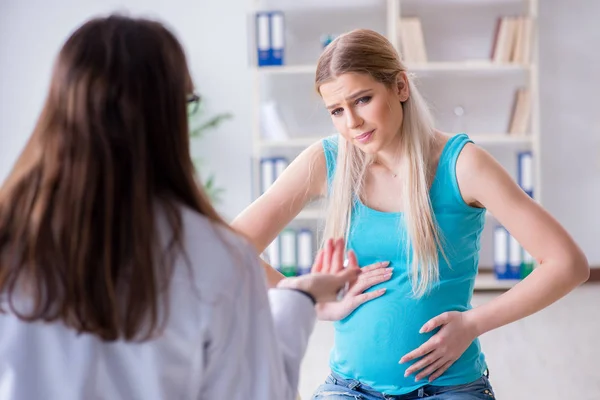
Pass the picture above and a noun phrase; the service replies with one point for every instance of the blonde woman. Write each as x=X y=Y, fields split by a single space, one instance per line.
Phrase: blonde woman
x=402 y=192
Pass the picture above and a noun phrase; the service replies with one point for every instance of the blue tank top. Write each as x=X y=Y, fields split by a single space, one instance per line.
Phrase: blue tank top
x=370 y=341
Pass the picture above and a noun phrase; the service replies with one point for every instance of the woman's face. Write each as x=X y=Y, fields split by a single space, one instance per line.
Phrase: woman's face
x=365 y=112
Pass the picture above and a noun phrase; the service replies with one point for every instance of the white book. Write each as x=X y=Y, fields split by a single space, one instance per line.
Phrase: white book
x=515 y=257
x=500 y=251
x=267 y=173
x=280 y=166
x=305 y=251
x=527 y=38
x=277 y=37
x=273 y=127
x=525 y=171
x=273 y=253
x=263 y=44
x=288 y=252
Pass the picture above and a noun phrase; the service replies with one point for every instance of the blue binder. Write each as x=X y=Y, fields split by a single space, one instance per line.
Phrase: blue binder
x=305 y=251
x=263 y=38
x=277 y=37
x=525 y=171
x=267 y=173
x=500 y=241
x=270 y=38
x=515 y=258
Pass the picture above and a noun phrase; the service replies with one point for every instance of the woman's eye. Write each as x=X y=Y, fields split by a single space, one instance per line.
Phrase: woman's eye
x=336 y=112
x=363 y=100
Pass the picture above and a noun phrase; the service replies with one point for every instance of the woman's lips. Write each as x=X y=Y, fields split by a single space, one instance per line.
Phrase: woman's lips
x=364 y=137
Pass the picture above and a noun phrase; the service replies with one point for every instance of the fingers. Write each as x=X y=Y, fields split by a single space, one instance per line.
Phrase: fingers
x=435 y=322
x=352 y=261
x=370 y=279
x=440 y=371
x=327 y=256
x=337 y=260
x=348 y=275
x=422 y=350
x=375 y=266
x=353 y=264
x=363 y=298
x=433 y=367
x=424 y=362
x=318 y=265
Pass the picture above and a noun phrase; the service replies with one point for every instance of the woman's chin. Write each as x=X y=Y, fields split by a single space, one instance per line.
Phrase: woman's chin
x=369 y=148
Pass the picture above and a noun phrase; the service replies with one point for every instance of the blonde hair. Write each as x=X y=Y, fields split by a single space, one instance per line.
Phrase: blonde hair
x=367 y=52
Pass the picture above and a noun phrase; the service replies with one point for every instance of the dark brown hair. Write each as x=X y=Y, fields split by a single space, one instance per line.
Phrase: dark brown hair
x=78 y=228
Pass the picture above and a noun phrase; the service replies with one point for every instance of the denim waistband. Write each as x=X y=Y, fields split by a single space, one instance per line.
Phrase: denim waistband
x=353 y=384
x=356 y=385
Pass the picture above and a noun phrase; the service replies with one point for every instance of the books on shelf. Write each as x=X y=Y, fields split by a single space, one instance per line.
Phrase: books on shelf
x=412 y=41
x=521 y=112
x=512 y=52
x=511 y=261
x=270 y=38
x=512 y=40
x=525 y=171
x=271 y=168
x=511 y=44
x=291 y=252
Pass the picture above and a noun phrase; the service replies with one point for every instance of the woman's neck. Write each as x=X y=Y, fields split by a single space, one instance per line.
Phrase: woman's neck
x=389 y=156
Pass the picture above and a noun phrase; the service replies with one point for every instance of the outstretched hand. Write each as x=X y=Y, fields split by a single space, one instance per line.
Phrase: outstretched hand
x=330 y=260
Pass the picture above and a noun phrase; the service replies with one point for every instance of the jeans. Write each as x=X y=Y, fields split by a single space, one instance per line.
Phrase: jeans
x=337 y=388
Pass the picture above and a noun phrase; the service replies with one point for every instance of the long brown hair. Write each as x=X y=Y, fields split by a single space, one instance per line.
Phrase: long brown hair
x=77 y=213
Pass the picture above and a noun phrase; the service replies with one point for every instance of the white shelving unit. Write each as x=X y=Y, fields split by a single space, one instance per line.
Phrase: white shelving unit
x=388 y=13
x=495 y=139
x=466 y=66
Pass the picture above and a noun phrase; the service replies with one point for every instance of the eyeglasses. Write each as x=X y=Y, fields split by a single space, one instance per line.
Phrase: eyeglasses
x=193 y=103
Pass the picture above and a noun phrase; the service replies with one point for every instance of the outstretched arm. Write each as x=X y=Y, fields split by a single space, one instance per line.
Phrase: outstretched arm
x=302 y=181
x=562 y=264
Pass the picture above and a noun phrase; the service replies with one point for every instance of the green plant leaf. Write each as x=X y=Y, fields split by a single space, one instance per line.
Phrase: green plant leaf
x=197 y=132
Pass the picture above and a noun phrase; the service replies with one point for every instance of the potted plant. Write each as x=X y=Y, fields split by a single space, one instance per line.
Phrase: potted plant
x=199 y=125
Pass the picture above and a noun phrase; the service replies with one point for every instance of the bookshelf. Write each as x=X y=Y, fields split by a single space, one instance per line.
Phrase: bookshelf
x=460 y=56
x=461 y=66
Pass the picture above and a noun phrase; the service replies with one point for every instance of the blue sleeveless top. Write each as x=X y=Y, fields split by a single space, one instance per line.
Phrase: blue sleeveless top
x=370 y=341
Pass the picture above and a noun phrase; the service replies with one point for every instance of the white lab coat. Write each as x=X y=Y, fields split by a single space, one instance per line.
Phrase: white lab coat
x=227 y=337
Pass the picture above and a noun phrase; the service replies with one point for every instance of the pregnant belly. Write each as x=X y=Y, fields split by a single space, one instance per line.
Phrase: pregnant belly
x=371 y=341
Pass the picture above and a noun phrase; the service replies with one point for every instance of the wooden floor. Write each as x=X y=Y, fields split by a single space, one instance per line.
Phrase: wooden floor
x=552 y=355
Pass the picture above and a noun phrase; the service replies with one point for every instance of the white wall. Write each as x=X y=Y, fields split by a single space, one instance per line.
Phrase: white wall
x=32 y=31
x=570 y=124
x=213 y=34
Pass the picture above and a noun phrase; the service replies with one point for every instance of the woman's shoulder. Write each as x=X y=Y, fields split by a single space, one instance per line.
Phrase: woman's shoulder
x=465 y=160
x=330 y=142
x=458 y=146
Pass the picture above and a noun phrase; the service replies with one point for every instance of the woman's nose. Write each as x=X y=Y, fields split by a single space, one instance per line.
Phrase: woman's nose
x=353 y=121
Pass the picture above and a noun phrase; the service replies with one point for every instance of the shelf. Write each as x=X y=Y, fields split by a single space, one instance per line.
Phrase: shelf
x=301 y=142
x=501 y=138
x=311 y=214
x=294 y=5
x=452 y=3
x=466 y=66
x=288 y=69
x=484 y=138
x=486 y=281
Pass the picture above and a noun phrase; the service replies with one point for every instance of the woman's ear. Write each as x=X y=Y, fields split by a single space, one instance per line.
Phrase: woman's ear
x=402 y=89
